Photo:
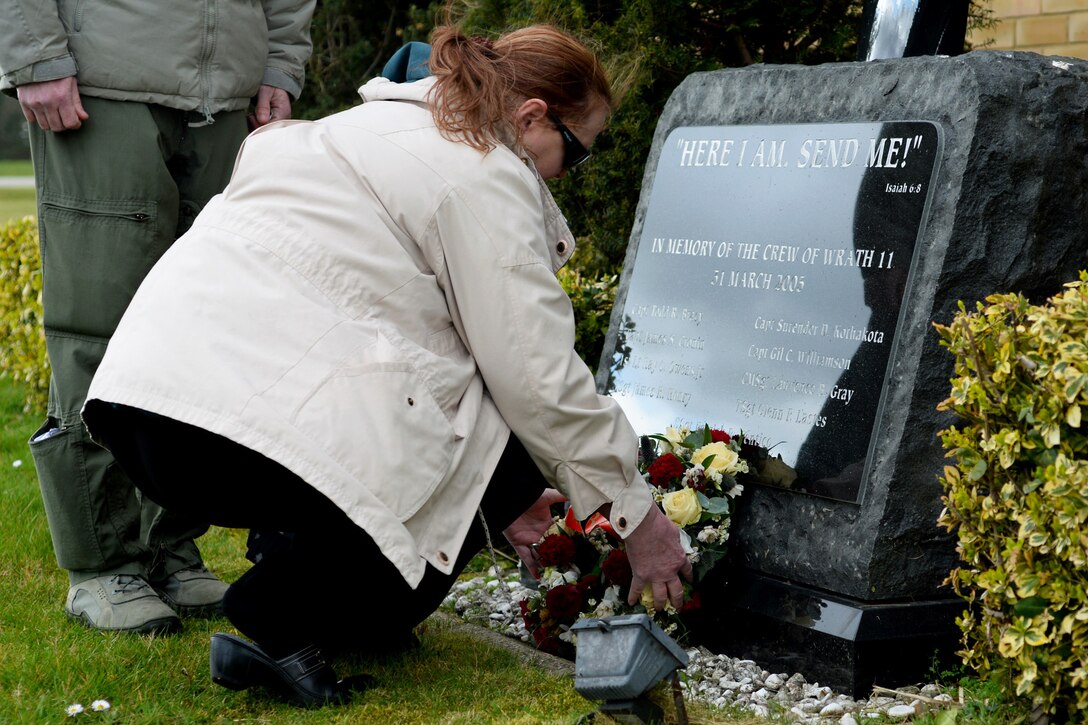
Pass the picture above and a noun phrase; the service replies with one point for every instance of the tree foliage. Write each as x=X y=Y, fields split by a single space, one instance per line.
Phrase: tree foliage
x=649 y=45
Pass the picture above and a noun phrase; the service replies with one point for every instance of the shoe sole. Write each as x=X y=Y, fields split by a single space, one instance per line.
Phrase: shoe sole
x=164 y=625
x=199 y=611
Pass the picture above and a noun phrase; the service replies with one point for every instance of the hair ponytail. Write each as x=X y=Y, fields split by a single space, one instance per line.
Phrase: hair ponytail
x=480 y=83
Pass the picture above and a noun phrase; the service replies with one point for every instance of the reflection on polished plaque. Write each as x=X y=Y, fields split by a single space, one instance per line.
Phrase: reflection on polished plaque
x=767 y=287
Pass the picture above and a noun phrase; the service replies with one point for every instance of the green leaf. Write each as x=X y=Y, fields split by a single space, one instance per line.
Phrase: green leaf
x=715 y=505
x=947 y=717
x=703 y=500
x=1031 y=606
x=977 y=471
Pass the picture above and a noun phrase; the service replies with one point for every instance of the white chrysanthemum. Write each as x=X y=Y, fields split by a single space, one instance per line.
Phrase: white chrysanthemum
x=716 y=476
x=604 y=609
x=600 y=541
x=552 y=577
x=100 y=705
x=568 y=636
x=735 y=491
x=708 y=535
x=74 y=709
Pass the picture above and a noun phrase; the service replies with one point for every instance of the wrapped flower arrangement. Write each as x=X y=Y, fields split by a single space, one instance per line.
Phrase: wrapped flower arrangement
x=585 y=571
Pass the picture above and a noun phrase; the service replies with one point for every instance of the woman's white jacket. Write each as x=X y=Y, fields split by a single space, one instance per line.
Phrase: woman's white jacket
x=375 y=308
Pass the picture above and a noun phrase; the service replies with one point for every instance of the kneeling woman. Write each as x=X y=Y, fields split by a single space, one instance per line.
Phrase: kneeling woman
x=361 y=344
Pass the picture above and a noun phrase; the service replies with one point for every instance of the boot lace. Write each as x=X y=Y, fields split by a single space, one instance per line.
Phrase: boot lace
x=127 y=583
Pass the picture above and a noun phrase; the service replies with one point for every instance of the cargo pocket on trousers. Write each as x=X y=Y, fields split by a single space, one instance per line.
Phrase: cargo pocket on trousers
x=95 y=254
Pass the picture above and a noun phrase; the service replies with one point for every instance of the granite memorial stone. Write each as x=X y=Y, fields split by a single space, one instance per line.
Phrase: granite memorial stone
x=799 y=230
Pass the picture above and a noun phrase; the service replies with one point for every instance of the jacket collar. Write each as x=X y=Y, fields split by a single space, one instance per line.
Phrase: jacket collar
x=556 y=231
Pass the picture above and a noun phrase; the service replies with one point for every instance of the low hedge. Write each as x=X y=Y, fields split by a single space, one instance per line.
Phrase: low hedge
x=22 y=356
x=1017 y=496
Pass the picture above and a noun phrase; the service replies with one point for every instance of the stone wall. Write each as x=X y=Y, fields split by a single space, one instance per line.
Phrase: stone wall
x=1049 y=27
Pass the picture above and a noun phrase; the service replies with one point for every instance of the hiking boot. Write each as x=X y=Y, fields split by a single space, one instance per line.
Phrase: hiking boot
x=193 y=592
x=120 y=603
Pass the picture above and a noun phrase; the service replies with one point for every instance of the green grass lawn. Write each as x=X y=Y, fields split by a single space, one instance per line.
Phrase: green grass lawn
x=16 y=168
x=15 y=204
x=48 y=662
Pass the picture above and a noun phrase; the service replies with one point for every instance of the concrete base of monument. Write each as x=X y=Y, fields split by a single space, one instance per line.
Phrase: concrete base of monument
x=844 y=643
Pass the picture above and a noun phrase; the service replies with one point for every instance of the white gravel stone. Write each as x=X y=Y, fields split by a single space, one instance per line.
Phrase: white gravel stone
x=713 y=679
x=901 y=712
x=832 y=708
x=759 y=710
x=774 y=682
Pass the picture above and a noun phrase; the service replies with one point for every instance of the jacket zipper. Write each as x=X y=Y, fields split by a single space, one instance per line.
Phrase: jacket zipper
x=207 y=49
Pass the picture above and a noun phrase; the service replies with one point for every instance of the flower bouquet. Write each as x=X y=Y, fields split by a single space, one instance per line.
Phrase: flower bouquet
x=584 y=568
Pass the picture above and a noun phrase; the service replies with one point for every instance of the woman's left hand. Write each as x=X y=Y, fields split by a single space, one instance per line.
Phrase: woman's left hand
x=531 y=526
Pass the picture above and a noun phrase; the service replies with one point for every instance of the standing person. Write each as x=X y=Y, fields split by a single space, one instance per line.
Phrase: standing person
x=135 y=113
x=365 y=331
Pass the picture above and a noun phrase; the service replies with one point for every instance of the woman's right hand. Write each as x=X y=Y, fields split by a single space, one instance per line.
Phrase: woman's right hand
x=657 y=560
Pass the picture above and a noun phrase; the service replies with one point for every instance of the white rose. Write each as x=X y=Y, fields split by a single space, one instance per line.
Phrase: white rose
x=675 y=437
x=682 y=507
x=725 y=460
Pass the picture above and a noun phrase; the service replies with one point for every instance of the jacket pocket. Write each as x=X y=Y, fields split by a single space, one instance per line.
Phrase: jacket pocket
x=378 y=420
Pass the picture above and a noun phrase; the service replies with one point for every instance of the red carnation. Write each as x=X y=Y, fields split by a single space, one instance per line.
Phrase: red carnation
x=588 y=582
x=617 y=568
x=665 y=469
x=719 y=436
x=564 y=602
x=531 y=618
x=545 y=642
x=694 y=603
x=556 y=550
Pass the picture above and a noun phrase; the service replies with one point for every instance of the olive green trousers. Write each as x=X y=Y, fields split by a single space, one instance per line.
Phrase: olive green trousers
x=112 y=197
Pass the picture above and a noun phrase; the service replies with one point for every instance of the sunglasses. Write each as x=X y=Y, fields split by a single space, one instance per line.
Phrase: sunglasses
x=574 y=152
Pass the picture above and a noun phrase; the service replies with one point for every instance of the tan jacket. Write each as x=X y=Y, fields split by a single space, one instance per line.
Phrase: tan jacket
x=375 y=307
x=199 y=55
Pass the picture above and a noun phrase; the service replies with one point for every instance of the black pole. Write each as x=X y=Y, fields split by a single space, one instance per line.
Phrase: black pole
x=904 y=28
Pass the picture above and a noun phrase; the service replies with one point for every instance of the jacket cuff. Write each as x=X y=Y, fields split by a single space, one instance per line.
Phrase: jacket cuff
x=630 y=507
x=280 y=79
x=44 y=70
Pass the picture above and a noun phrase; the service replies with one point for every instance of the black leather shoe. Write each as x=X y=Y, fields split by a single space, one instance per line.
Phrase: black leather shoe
x=304 y=677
